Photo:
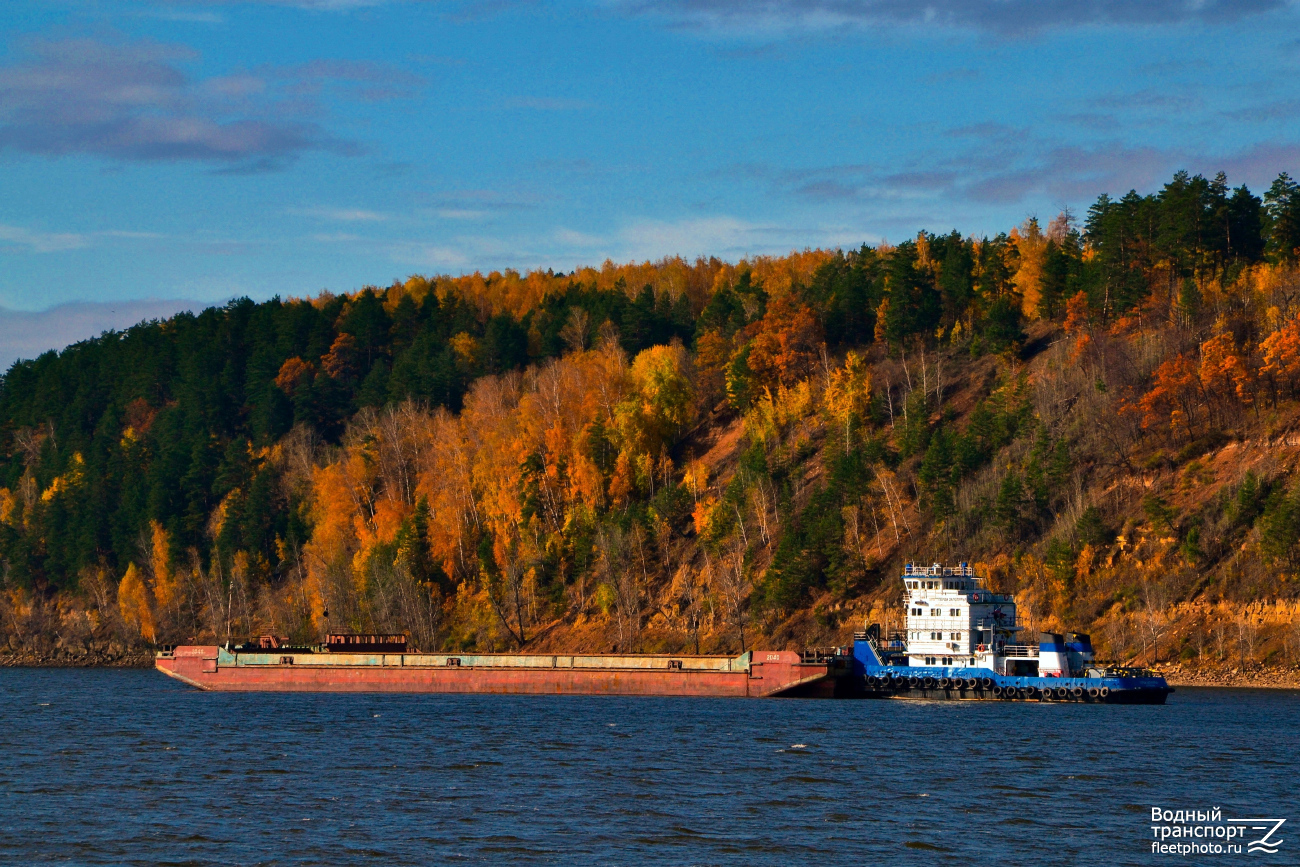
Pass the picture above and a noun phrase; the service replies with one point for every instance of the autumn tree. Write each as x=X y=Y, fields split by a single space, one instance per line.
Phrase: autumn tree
x=1172 y=401
x=1281 y=356
x=135 y=606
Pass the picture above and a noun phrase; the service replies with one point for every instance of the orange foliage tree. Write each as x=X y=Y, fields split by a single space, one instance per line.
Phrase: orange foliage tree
x=1225 y=377
x=134 y=605
x=1281 y=355
x=1173 y=398
x=785 y=343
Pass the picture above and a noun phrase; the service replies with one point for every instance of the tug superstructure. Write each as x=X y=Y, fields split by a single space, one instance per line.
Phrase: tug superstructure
x=963 y=641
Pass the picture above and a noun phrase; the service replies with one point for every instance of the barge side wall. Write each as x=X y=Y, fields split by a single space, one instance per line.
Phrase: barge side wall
x=750 y=675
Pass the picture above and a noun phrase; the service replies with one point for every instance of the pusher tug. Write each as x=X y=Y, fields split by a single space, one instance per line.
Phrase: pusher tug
x=962 y=643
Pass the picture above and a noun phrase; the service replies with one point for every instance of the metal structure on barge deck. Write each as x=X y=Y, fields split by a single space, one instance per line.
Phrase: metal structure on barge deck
x=960 y=644
x=273 y=667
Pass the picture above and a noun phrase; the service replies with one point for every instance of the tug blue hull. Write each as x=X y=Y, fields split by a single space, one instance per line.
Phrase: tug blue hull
x=982 y=684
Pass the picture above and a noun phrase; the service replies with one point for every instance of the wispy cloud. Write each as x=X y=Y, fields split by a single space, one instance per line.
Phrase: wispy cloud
x=546 y=103
x=1007 y=167
x=1147 y=100
x=636 y=239
x=1283 y=109
x=340 y=215
x=136 y=101
x=460 y=214
x=1008 y=17
x=456 y=9
x=39 y=242
x=472 y=204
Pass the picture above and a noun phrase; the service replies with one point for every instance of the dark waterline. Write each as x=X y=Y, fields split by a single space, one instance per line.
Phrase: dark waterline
x=127 y=767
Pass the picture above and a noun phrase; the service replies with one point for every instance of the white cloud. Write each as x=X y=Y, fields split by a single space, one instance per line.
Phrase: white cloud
x=570 y=238
x=460 y=214
x=762 y=18
x=39 y=242
x=435 y=256
x=653 y=239
x=340 y=215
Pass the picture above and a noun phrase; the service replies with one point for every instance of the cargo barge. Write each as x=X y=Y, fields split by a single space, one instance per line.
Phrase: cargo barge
x=962 y=643
x=382 y=664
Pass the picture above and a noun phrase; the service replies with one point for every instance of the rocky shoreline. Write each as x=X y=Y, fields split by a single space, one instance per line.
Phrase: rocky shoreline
x=1254 y=677
x=109 y=658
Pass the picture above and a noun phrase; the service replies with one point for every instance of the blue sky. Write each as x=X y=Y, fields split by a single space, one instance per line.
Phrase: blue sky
x=160 y=154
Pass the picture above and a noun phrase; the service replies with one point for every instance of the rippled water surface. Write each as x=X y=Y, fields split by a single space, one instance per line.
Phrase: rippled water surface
x=128 y=767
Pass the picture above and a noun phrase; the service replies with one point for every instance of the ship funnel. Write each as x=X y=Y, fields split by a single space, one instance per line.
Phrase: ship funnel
x=1080 y=647
x=1053 y=656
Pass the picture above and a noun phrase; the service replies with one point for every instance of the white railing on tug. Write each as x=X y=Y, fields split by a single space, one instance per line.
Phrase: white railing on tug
x=962 y=571
x=1019 y=650
x=983 y=625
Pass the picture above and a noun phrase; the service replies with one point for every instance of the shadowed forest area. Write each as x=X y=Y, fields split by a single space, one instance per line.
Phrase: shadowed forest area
x=678 y=456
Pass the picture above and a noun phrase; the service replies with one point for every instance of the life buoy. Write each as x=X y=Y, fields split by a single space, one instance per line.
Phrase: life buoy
x=975 y=598
x=980 y=648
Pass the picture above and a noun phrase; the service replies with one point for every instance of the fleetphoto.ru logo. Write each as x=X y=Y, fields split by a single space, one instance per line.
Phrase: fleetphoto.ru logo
x=1206 y=832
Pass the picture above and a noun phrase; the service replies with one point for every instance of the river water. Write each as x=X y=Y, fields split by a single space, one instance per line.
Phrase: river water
x=129 y=767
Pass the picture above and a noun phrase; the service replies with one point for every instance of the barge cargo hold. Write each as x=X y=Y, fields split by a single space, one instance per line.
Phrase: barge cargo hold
x=755 y=674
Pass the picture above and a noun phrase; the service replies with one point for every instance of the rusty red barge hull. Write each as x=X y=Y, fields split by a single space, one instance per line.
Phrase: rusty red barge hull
x=758 y=674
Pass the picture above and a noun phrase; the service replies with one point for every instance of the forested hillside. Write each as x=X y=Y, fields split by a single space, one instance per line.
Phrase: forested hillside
x=706 y=455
